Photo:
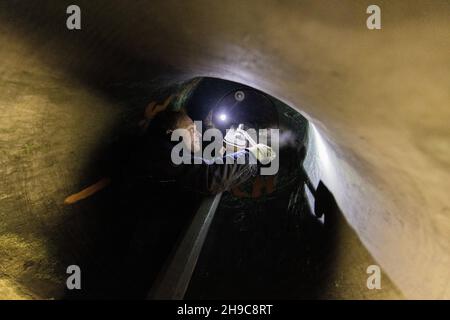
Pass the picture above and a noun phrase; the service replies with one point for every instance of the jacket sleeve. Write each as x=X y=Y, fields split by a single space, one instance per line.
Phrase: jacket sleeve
x=211 y=177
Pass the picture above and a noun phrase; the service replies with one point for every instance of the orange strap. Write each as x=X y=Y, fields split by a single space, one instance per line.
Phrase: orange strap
x=87 y=192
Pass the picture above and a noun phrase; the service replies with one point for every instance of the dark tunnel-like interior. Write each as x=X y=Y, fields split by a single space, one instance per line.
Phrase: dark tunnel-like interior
x=82 y=180
x=266 y=240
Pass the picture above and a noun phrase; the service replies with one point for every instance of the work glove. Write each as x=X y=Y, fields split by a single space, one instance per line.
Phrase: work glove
x=262 y=153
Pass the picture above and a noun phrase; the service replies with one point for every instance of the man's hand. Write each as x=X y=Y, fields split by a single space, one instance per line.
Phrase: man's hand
x=263 y=153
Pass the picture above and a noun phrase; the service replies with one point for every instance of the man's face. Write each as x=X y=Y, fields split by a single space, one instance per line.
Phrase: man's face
x=192 y=139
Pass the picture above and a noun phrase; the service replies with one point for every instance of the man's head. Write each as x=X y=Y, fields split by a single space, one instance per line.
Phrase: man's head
x=164 y=123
